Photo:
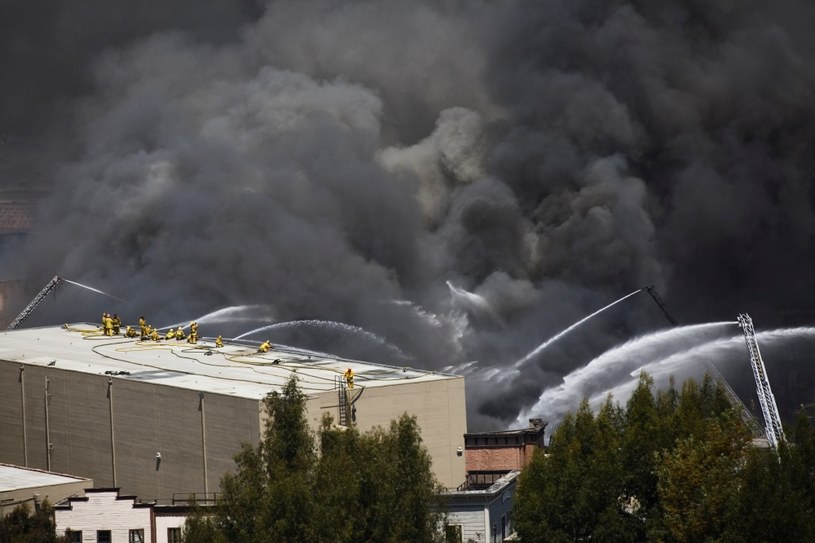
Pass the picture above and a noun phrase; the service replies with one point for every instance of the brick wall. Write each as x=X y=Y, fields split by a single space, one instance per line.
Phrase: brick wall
x=493 y=459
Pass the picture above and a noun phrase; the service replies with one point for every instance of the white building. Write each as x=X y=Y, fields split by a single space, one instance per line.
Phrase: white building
x=158 y=418
x=482 y=511
x=105 y=516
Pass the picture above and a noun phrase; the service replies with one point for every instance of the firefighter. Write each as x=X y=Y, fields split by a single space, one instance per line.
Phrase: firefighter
x=154 y=335
x=349 y=377
x=143 y=327
x=107 y=324
x=219 y=342
x=193 y=332
x=170 y=334
x=116 y=323
x=130 y=332
x=179 y=334
x=265 y=346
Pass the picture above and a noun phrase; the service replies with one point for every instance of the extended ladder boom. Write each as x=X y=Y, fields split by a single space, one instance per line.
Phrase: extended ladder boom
x=772 y=421
x=657 y=300
x=52 y=284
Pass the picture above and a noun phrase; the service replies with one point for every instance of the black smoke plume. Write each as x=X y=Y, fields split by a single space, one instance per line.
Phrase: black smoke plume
x=344 y=161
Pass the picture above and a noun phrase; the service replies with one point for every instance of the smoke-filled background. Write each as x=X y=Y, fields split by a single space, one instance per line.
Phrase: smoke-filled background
x=460 y=179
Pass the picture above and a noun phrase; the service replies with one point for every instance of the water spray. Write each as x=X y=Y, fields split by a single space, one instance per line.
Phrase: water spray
x=556 y=337
x=330 y=325
x=234 y=313
x=50 y=286
x=617 y=363
x=94 y=290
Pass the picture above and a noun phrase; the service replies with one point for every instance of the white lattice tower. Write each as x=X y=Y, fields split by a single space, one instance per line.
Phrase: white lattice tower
x=772 y=421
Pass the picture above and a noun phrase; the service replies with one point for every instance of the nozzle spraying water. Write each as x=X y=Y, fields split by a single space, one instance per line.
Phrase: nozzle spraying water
x=93 y=289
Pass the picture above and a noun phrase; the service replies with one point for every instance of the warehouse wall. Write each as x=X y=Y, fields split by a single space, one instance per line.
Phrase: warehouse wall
x=439 y=409
x=148 y=418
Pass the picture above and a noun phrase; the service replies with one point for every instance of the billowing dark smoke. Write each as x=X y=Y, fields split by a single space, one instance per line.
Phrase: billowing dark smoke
x=344 y=161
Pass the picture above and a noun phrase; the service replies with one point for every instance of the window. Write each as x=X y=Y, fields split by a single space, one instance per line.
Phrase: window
x=136 y=536
x=173 y=535
x=102 y=536
x=74 y=536
x=452 y=533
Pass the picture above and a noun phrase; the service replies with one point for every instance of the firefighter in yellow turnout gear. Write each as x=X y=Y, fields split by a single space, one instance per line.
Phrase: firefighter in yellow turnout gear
x=107 y=324
x=265 y=346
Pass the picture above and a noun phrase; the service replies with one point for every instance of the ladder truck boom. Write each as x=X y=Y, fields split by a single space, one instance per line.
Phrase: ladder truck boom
x=745 y=414
x=772 y=420
x=658 y=300
x=52 y=284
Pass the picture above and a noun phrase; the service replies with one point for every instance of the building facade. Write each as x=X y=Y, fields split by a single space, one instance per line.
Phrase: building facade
x=105 y=516
x=158 y=418
x=505 y=450
x=482 y=513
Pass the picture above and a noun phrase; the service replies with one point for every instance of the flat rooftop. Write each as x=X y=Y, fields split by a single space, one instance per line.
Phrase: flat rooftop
x=237 y=369
x=18 y=478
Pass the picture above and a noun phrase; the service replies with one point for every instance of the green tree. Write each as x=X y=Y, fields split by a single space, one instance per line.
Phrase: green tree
x=376 y=486
x=24 y=526
x=667 y=467
x=777 y=502
x=575 y=493
x=699 y=480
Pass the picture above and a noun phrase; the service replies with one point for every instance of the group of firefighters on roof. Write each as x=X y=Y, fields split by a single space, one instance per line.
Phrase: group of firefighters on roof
x=111 y=326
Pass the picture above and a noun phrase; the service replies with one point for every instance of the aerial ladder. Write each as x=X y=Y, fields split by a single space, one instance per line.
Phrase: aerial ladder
x=745 y=414
x=657 y=300
x=52 y=284
x=772 y=420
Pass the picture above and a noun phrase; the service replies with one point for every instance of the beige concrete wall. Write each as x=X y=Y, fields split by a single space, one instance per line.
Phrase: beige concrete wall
x=11 y=427
x=439 y=409
x=148 y=418
x=53 y=493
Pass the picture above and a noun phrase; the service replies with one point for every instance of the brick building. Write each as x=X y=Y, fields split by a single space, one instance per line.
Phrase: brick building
x=503 y=451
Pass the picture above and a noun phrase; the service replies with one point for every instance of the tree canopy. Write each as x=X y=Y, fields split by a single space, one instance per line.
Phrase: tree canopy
x=669 y=466
x=23 y=525
x=373 y=486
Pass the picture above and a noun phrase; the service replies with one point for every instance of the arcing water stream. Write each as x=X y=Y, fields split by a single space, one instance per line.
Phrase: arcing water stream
x=333 y=327
x=639 y=355
x=556 y=337
x=235 y=313
x=610 y=367
x=93 y=289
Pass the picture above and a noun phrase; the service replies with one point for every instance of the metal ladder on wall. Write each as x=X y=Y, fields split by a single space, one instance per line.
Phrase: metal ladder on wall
x=342 y=396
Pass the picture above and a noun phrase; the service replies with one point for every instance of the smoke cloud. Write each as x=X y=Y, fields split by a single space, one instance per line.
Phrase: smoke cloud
x=344 y=161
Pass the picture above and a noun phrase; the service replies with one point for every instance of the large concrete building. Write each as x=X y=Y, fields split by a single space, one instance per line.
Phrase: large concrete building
x=158 y=418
